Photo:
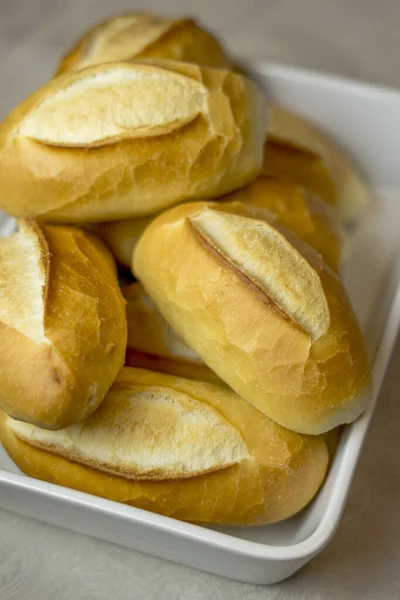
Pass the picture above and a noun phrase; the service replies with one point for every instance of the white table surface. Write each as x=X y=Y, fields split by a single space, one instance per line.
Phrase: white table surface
x=356 y=38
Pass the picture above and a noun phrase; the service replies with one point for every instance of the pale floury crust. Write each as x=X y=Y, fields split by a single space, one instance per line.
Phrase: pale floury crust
x=306 y=369
x=62 y=324
x=187 y=449
x=145 y=35
x=268 y=259
x=129 y=139
x=145 y=432
x=24 y=291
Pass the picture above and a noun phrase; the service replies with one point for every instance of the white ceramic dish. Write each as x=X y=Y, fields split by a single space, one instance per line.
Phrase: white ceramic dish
x=365 y=120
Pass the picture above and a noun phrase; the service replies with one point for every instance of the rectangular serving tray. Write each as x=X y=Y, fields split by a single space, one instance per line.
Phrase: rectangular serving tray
x=365 y=121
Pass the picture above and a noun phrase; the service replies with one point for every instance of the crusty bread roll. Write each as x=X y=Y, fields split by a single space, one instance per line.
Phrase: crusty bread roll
x=289 y=205
x=62 y=324
x=128 y=139
x=144 y=35
x=298 y=152
x=261 y=309
x=190 y=450
x=153 y=344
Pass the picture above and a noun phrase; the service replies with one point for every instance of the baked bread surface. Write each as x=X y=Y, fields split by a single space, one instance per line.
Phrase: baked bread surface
x=145 y=35
x=261 y=309
x=186 y=449
x=129 y=139
x=298 y=152
x=62 y=324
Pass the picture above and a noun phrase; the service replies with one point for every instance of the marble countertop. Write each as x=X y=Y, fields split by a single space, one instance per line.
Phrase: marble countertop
x=358 y=39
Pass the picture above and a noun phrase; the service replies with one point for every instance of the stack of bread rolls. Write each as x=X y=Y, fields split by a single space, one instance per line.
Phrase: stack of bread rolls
x=209 y=386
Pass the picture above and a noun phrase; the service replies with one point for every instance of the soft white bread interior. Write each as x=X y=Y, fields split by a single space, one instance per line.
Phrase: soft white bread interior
x=296 y=151
x=153 y=344
x=186 y=449
x=62 y=324
x=261 y=309
x=144 y=35
x=128 y=139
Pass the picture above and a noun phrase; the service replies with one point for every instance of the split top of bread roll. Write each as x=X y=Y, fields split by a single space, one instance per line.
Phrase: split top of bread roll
x=261 y=309
x=144 y=35
x=186 y=449
x=129 y=139
x=62 y=324
x=153 y=344
x=296 y=151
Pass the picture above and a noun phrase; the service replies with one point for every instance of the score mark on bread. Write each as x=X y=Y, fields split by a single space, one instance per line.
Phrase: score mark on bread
x=123 y=140
x=145 y=35
x=152 y=437
x=266 y=257
x=305 y=365
x=115 y=104
x=111 y=40
x=23 y=293
x=145 y=432
x=62 y=324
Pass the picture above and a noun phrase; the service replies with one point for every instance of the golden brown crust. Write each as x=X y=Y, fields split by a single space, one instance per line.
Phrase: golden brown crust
x=61 y=376
x=121 y=237
x=64 y=156
x=170 y=366
x=145 y=431
x=305 y=385
x=277 y=471
x=153 y=344
x=302 y=168
x=144 y=35
x=299 y=153
x=291 y=206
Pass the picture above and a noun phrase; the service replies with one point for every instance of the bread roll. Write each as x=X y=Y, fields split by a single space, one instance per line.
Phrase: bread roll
x=261 y=309
x=62 y=324
x=289 y=205
x=298 y=152
x=186 y=449
x=144 y=35
x=129 y=139
x=153 y=344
